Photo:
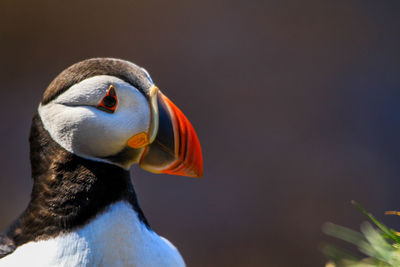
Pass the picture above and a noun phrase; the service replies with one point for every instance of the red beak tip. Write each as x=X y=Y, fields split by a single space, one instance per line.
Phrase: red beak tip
x=193 y=173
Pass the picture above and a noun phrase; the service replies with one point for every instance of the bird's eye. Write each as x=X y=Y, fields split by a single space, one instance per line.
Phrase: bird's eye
x=109 y=101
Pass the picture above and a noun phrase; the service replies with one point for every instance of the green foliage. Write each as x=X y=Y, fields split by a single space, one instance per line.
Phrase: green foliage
x=381 y=245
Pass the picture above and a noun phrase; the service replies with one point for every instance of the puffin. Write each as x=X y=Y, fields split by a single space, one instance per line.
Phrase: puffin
x=95 y=120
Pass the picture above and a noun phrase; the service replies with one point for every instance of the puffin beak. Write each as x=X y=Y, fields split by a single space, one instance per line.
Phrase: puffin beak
x=175 y=148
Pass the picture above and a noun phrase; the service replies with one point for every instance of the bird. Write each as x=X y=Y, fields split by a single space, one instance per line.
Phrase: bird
x=95 y=120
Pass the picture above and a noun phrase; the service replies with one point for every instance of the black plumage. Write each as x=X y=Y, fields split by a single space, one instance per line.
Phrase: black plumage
x=68 y=191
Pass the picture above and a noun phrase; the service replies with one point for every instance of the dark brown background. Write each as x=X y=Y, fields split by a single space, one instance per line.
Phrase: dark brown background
x=296 y=104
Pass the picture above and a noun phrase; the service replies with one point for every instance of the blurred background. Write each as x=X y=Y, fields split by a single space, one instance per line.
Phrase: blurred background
x=296 y=104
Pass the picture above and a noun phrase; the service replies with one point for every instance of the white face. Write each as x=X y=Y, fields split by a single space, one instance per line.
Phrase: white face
x=74 y=121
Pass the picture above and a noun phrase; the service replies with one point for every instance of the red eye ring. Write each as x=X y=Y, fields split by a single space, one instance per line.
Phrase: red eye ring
x=109 y=101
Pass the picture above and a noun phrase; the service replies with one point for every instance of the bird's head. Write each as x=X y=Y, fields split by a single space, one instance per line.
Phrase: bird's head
x=110 y=110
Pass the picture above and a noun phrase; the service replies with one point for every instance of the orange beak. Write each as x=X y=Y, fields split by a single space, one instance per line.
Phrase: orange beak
x=176 y=149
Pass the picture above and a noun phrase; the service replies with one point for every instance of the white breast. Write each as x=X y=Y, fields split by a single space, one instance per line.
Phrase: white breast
x=115 y=238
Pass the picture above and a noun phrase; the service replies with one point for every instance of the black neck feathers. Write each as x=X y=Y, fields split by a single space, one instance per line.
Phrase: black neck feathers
x=68 y=190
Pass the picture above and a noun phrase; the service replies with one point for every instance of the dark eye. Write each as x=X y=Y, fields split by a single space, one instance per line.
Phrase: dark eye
x=109 y=101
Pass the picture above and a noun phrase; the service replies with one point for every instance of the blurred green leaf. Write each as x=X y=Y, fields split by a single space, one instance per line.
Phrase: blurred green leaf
x=389 y=232
x=380 y=245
